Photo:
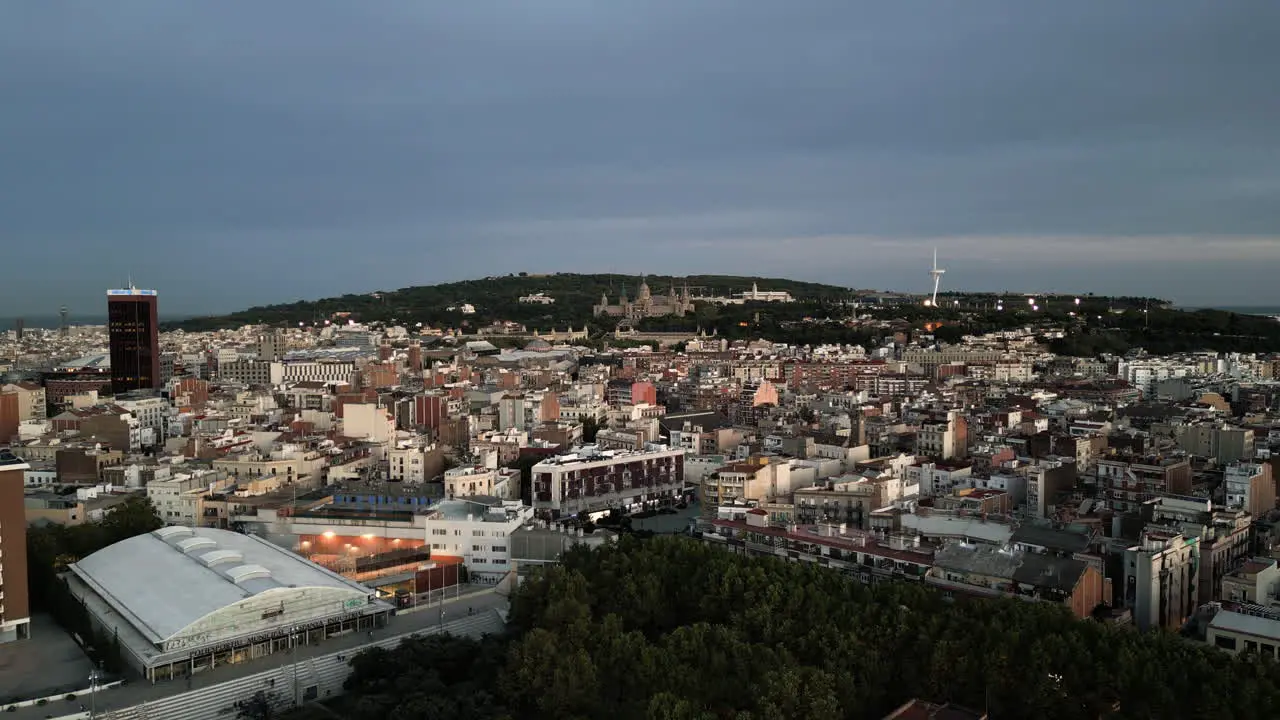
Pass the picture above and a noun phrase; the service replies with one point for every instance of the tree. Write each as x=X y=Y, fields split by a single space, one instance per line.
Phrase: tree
x=674 y=629
x=257 y=707
x=589 y=429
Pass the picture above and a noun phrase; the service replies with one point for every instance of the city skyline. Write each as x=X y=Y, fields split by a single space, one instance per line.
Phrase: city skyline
x=232 y=158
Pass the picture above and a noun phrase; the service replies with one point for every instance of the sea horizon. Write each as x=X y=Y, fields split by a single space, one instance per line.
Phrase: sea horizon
x=53 y=322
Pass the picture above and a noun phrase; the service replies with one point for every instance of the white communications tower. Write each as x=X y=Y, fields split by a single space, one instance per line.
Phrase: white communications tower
x=936 y=274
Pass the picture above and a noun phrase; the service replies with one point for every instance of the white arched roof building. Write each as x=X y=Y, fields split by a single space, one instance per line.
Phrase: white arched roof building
x=186 y=596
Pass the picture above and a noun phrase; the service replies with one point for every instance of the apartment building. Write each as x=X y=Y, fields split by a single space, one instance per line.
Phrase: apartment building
x=291 y=462
x=15 y=615
x=1217 y=442
x=989 y=571
x=151 y=410
x=1046 y=481
x=31 y=399
x=944 y=438
x=1256 y=582
x=935 y=479
x=759 y=479
x=1250 y=486
x=848 y=500
x=1161 y=579
x=471 y=481
x=864 y=556
x=1128 y=481
x=414 y=461
x=592 y=479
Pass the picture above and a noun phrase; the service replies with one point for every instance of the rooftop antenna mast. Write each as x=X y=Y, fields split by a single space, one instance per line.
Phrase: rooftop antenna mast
x=936 y=274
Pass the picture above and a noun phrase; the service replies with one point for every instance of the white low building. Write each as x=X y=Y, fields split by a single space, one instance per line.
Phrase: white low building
x=476 y=531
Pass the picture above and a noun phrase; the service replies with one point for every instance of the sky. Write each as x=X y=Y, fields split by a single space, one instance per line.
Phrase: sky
x=232 y=154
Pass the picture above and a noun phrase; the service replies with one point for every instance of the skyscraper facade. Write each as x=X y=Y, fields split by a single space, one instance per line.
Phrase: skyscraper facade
x=133 y=328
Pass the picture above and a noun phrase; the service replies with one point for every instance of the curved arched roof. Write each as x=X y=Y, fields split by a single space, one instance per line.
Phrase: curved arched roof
x=166 y=580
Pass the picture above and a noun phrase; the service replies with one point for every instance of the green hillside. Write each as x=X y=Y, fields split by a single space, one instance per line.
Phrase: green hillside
x=497 y=298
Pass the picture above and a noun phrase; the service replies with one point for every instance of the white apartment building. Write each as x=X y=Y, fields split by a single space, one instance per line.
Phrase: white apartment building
x=290 y=462
x=470 y=481
x=597 y=411
x=319 y=371
x=936 y=479
x=1144 y=374
x=368 y=421
x=477 y=533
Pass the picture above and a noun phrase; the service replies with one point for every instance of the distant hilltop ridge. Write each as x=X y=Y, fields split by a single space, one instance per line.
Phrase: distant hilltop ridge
x=545 y=301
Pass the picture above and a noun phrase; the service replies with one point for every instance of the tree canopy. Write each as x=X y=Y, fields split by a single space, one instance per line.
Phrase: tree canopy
x=672 y=629
x=51 y=548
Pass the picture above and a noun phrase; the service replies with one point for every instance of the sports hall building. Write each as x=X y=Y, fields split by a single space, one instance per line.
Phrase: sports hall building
x=183 y=600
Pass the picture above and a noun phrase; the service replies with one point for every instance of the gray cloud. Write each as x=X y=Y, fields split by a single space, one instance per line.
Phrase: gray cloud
x=230 y=156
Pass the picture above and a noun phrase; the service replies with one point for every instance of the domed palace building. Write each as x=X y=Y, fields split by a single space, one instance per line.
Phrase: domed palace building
x=645 y=305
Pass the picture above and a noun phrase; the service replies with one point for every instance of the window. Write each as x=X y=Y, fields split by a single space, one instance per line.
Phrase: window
x=477 y=548
x=439 y=531
x=1224 y=642
x=477 y=533
x=500 y=548
x=1250 y=646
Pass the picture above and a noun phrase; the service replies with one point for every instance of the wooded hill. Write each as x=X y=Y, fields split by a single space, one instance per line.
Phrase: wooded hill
x=820 y=314
x=497 y=298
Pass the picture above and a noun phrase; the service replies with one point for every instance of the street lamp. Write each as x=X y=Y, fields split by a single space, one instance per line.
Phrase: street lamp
x=94 y=677
x=293 y=652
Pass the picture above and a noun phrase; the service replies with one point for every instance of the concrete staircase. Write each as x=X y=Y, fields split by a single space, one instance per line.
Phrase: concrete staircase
x=309 y=680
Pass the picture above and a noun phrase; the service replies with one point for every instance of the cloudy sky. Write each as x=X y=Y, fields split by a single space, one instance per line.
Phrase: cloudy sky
x=230 y=154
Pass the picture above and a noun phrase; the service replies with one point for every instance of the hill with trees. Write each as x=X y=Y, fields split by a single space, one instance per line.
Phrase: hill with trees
x=821 y=314
x=673 y=629
x=497 y=298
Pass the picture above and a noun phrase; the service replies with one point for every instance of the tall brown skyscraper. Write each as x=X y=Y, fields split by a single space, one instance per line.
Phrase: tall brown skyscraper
x=133 y=327
x=15 y=612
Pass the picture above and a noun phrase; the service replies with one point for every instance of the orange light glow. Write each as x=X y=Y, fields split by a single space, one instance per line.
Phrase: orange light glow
x=328 y=533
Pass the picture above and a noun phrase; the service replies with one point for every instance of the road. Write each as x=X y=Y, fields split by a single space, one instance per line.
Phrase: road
x=452 y=615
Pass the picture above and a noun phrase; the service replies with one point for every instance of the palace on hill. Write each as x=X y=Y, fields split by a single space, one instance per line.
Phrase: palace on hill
x=645 y=305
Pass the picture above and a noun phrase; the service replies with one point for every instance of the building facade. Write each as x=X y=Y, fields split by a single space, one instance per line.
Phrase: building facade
x=15 y=613
x=592 y=479
x=133 y=328
x=645 y=305
x=1161 y=579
